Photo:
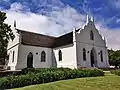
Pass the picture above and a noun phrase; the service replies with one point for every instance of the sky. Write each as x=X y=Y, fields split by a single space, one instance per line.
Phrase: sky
x=57 y=17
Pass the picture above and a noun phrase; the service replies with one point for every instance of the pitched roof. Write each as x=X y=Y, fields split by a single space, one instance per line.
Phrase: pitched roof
x=64 y=40
x=35 y=39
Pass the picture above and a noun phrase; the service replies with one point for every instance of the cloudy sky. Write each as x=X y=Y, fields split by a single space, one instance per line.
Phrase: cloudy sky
x=56 y=17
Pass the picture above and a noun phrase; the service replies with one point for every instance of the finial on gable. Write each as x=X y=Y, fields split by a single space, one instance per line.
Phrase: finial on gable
x=14 y=23
x=92 y=19
x=104 y=39
x=88 y=18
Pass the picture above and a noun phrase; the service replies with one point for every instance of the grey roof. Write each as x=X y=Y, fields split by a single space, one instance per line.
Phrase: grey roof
x=35 y=39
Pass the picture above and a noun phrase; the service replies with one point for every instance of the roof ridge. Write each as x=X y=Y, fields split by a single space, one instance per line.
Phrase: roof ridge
x=36 y=33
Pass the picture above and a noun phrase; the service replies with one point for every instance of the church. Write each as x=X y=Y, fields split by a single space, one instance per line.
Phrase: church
x=83 y=47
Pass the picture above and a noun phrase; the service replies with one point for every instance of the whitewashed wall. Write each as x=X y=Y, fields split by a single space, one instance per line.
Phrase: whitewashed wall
x=68 y=56
x=83 y=41
x=10 y=53
x=24 y=51
x=13 y=46
x=72 y=54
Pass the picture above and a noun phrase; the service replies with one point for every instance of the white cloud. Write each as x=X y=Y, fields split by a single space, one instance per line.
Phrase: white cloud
x=6 y=0
x=18 y=7
x=118 y=21
x=58 y=22
x=115 y=3
x=112 y=35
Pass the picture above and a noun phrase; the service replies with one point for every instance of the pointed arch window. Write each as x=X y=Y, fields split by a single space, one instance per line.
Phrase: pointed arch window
x=60 y=55
x=13 y=56
x=30 y=60
x=43 y=56
x=84 y=54
x=101 y=55
x=91 y=35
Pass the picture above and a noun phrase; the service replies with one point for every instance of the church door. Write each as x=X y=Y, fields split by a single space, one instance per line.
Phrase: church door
x=93 y=58
x=30 y=60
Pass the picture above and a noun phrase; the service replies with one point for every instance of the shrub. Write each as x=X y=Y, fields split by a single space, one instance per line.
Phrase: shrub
x=38 y=76
x=38 y=70
x=116 y=72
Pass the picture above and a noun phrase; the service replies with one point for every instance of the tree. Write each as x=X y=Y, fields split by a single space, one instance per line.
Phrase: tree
x=114 y=57
x=5 y=35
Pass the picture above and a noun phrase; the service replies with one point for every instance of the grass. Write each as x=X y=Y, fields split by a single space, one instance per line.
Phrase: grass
x=107 y=82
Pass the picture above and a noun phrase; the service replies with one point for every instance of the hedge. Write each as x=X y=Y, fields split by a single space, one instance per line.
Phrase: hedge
x=38 y=70
x=46 y=76
x=116 y=72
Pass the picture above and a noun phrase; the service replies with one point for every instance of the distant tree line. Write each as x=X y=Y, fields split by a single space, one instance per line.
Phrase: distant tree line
x=114 y=58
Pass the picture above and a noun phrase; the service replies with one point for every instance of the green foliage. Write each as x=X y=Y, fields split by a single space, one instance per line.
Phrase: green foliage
x=108 y=82
x=49 y=75
x=5 y=35
x=116 y=72
x=114 y=57
x=37 y=70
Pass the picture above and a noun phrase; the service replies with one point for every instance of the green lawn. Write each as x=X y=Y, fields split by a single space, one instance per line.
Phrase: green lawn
x=107 y=82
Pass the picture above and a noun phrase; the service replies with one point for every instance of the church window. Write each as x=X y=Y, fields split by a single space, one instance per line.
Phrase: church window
x=84 y=54
x=30 y=60
x=43 y=56
x=91 y=35
x=101 y=55
x=13 y=56
x=60 y=55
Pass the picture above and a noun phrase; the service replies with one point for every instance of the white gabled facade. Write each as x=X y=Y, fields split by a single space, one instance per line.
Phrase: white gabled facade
x=72 y=54
x=13 y=50
x=98 y=44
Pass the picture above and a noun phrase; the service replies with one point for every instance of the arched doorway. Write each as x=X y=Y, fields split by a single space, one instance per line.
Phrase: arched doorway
x=93 y=58
x=30 y=60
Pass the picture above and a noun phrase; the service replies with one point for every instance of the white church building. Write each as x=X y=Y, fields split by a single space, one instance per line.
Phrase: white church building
x=83 y=47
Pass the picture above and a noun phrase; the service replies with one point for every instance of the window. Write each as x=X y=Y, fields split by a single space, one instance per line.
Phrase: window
x=30 y=60
x=84 y=54
x=43 y=56
x=101 y=55
x=91 y=35
x=8 y=56
x=60 y=55
x=13 y=56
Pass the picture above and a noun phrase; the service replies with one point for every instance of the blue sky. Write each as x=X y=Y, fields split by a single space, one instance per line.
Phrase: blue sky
x=107 y=10
x=56 y=17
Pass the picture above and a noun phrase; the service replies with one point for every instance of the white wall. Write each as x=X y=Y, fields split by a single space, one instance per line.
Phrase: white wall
x=13 y=46
x=83 y=41
x=72 y=55
x=68 y=56
x=15 y=41
x=24 y=51
x=10 y=53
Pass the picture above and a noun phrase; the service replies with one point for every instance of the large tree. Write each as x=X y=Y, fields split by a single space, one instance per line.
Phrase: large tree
x=5 y=35
x=114 y=57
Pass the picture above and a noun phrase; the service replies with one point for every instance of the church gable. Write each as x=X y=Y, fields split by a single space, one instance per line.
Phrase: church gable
x=89 y=34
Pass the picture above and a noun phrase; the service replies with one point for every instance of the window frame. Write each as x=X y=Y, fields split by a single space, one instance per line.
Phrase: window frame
x=84 y=54
x=101 y=56
x=60 y=55
x=43 y=56
x=13 y=56
x=91 y=35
